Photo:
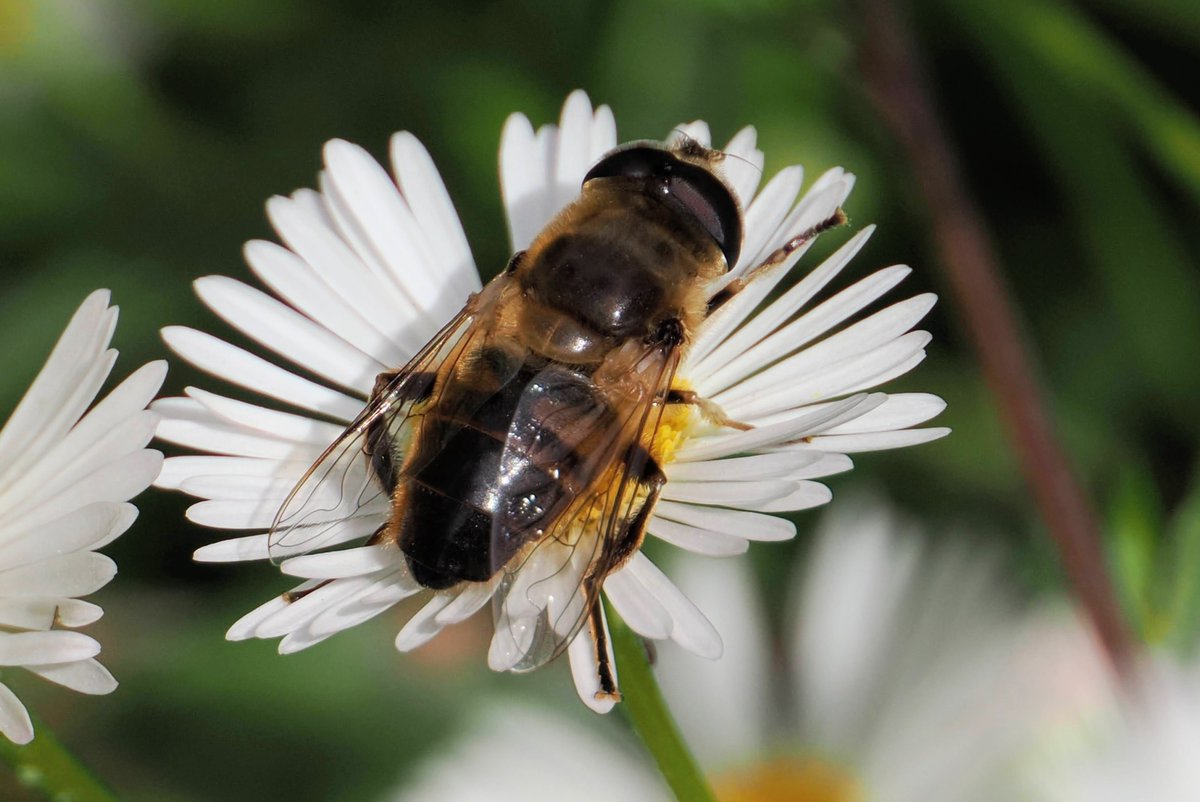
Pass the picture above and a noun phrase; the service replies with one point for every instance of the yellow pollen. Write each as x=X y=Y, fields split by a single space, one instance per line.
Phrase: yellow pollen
x=674 y=427
x=789 y=780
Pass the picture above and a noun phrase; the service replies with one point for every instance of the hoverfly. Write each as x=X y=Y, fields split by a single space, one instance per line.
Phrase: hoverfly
x=520 y=447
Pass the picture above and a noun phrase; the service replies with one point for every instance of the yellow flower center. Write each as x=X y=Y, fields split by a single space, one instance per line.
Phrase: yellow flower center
x=674 y=427
x=789 y=780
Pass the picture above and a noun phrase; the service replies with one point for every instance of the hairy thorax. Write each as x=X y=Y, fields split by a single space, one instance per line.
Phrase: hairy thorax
x=616 y=266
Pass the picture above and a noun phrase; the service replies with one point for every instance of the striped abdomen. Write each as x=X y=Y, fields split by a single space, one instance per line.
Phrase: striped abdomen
x=465 y=505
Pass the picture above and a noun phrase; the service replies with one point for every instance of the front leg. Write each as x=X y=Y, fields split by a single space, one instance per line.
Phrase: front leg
x=726 y=293
x=710 y=410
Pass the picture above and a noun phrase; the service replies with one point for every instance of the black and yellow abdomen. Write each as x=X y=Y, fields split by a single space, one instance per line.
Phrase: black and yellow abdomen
x=490 y=470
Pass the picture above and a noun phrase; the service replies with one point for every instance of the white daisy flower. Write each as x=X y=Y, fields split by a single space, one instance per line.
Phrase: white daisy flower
x=518 y=753
x=66 y=476
x=375 y=264
x=1142 y=745
x=910 y=674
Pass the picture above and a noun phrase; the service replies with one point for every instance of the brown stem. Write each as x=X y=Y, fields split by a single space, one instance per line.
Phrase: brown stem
x=896 y=83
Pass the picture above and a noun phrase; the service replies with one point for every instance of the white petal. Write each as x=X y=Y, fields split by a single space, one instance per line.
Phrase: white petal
x=304 y=224
x=250 y=547
x=288 y=333
x=755 y=354
x=35 y=648
x=387 y=226
x=900 y=411
x=878 y=441
x=76 y=531
x=296 y=614
x=468 y=601
x=188 y=423
x=414 y=323
x=742 y=165
x=736 y=494
x=736 y=523
x=803 y=425
x=178 y=470
x=114 y=428
x=692 y=538
x=697 y=130
x=261 y=514
x=247 y=625
x=64 y=386
x=243 y=368
x=726 y=706
x=742 y=469
x=522 y=181
x=718 y=326
x=637 y=606
x=690 y=628
x=68 y=575
x=347 y=562
x=388 y=588
x=765 y=213
x=294 y=281
x=43 y=612
x=239 y=488
x=256 y=547
x=84 y=676
x=422 y=187
x=805 y=496
x=423 y=626
x=574 y=152
x=584 y=662
x=14 y=719
x=282 y=425
x=790 y=383
x=716 y=372
x=120 y=480
x=511 y=639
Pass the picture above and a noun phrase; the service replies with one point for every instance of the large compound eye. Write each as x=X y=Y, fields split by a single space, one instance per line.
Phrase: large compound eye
x=640 y=161
x=690 y=187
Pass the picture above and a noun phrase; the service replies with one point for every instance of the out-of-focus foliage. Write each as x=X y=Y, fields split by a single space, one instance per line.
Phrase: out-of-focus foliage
x=140 y=138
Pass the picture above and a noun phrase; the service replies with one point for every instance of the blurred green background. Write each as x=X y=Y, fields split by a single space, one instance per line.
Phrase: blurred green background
x=139 y=140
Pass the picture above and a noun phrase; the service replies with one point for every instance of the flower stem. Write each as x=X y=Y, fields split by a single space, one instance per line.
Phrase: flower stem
x=896 y=81
x=46 y=765
x=644 y=704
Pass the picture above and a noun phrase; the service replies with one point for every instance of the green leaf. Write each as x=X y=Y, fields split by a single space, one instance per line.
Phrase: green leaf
x=1065 y=41
x=1182 y=567
x=1134 y=523
x=1143 y=268
x=47 y=765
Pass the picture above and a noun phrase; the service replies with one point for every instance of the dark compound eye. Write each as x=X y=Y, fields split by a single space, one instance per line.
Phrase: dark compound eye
x=688 y=186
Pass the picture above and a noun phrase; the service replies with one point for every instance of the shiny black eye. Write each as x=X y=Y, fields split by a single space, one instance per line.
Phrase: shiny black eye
x=688 y=186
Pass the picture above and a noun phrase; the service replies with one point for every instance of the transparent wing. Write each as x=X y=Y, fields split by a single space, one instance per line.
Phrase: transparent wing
x=555 y=546
x=346 y=494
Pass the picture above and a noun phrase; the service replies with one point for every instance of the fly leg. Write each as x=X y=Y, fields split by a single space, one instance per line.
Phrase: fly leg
x=617 y=550
x=598 y=631
x=710 y=410
x=777 y=256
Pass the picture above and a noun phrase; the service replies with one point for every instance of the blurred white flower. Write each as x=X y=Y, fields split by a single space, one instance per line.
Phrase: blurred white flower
x=66 y=476
x=517 y=753
x=1145 y=745
x=911 y=671
x=375 y=264
x=910 y=674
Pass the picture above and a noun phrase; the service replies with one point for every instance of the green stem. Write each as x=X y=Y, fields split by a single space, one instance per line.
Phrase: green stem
x=648 y=712
x=46 y=765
